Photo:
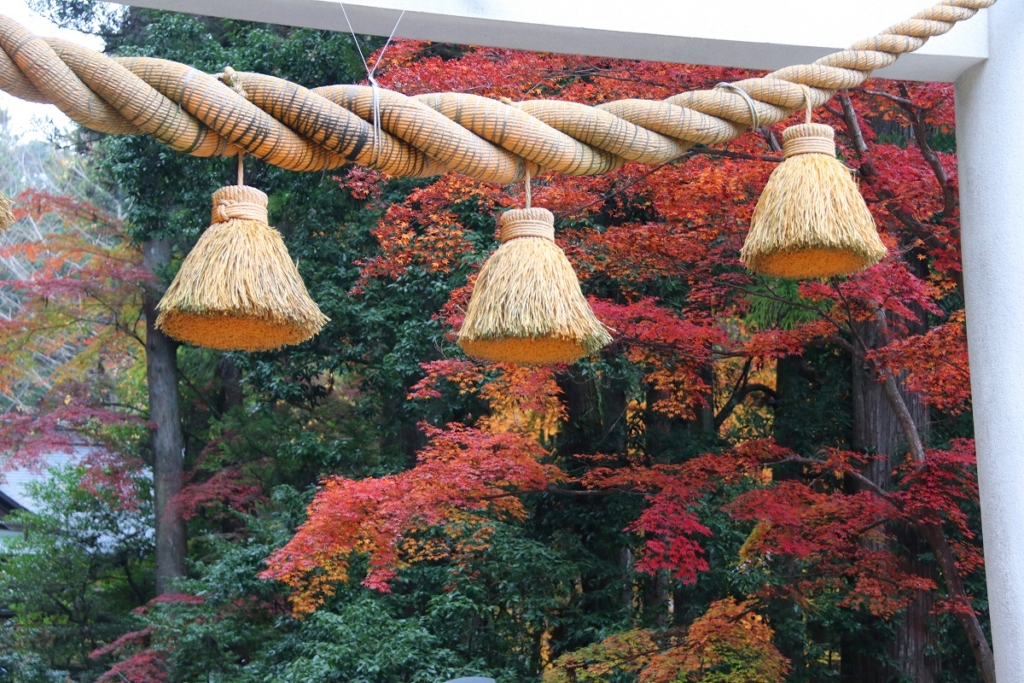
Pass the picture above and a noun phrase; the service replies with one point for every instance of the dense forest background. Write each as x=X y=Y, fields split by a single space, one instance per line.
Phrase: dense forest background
x=759 y=481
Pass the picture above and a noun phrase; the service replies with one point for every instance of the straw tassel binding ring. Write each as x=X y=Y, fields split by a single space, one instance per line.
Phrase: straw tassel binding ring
x=811 y=220
x=527 y=307
x=238 y=288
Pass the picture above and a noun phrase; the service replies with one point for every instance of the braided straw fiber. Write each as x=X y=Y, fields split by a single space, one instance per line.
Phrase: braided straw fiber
x=238 y=288
x=309 y=130
x=6 y=215
x=811 y=220
x=527 y=306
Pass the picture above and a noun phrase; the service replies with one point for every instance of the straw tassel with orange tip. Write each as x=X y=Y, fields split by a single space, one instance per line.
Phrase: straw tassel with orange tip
x=527 y=306
x=238 y=288
x=811 y=220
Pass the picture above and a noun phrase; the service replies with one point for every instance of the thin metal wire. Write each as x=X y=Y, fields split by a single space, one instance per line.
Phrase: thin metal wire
x=755 y=118
x=354 y=39
x=388 y=42
x=371 y=77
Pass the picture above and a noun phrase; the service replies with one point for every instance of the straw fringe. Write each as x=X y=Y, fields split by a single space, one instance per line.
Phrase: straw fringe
x=6 y=213
x=811 y=222
x=527 y=307
x=238 y=289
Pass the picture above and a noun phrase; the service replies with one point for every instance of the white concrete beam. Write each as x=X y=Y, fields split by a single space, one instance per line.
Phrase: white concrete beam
x=754 y=34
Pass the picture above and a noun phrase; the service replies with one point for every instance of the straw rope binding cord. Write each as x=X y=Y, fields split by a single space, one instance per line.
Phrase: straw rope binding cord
x=527 y=306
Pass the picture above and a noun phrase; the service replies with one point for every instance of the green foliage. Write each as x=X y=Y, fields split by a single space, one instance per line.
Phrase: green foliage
x=87 y=16
x=71 y=580
x=777 y=304
x=237 y=626
x=361 y=643
x=814 y=397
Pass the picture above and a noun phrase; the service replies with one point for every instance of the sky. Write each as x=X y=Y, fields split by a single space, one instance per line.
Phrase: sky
x=28 y=119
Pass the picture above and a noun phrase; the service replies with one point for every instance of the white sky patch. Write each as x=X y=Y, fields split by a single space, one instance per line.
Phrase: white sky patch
x=31 y=120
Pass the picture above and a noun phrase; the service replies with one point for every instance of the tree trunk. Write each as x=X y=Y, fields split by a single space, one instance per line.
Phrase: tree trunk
x=954 y=587
x=164 y=413
x=230 y=379
x=877 y=429
x=596 y=423
x=787 y=375
x=706 y=413
x=933 y=534
x=915 y=637
x=939 y=544
x=398 y=434
x=658 y=602
x=626 y=570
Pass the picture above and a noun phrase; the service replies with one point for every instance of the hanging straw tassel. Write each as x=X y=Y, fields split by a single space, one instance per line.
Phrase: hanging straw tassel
x=6 y=214
x=811 y=220
x=238 y=288
x=527 y=306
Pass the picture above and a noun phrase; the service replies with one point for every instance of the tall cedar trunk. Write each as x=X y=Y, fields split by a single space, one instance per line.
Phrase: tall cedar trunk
x=787 y=381
x=230 y=394
x=596 y=423
x=939 y=544
x=795 y=381
x=164 y=413
x=398 y=435
x=916 y=635
x=626 y=568
x=669 y=439
x=934 y=535
x=706 y=412
x=664 y=440
x=877 y=429
x=658 y=602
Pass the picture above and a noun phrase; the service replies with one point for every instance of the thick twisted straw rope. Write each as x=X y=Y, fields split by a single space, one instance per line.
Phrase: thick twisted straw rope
x=324 y=128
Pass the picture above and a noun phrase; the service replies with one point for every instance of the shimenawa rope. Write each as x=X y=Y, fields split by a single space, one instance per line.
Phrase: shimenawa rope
x=306 y=130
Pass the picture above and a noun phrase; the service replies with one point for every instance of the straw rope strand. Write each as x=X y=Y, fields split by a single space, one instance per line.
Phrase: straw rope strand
x=318 y=129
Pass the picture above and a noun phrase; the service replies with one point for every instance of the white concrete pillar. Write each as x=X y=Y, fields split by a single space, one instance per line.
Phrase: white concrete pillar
x=990 y=142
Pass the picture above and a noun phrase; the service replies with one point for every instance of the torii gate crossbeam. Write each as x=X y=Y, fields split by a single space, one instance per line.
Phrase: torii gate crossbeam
x=752 y=34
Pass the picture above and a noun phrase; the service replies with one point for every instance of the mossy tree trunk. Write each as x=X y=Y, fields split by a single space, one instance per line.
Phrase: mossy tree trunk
x=167 y=440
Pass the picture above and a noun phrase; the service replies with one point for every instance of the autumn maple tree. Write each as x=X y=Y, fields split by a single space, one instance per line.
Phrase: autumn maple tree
x=759 y=480
x=657 y=251
x=73 y=329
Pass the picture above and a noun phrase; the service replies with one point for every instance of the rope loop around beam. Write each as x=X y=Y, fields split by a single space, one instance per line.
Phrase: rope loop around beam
x=324 y=128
